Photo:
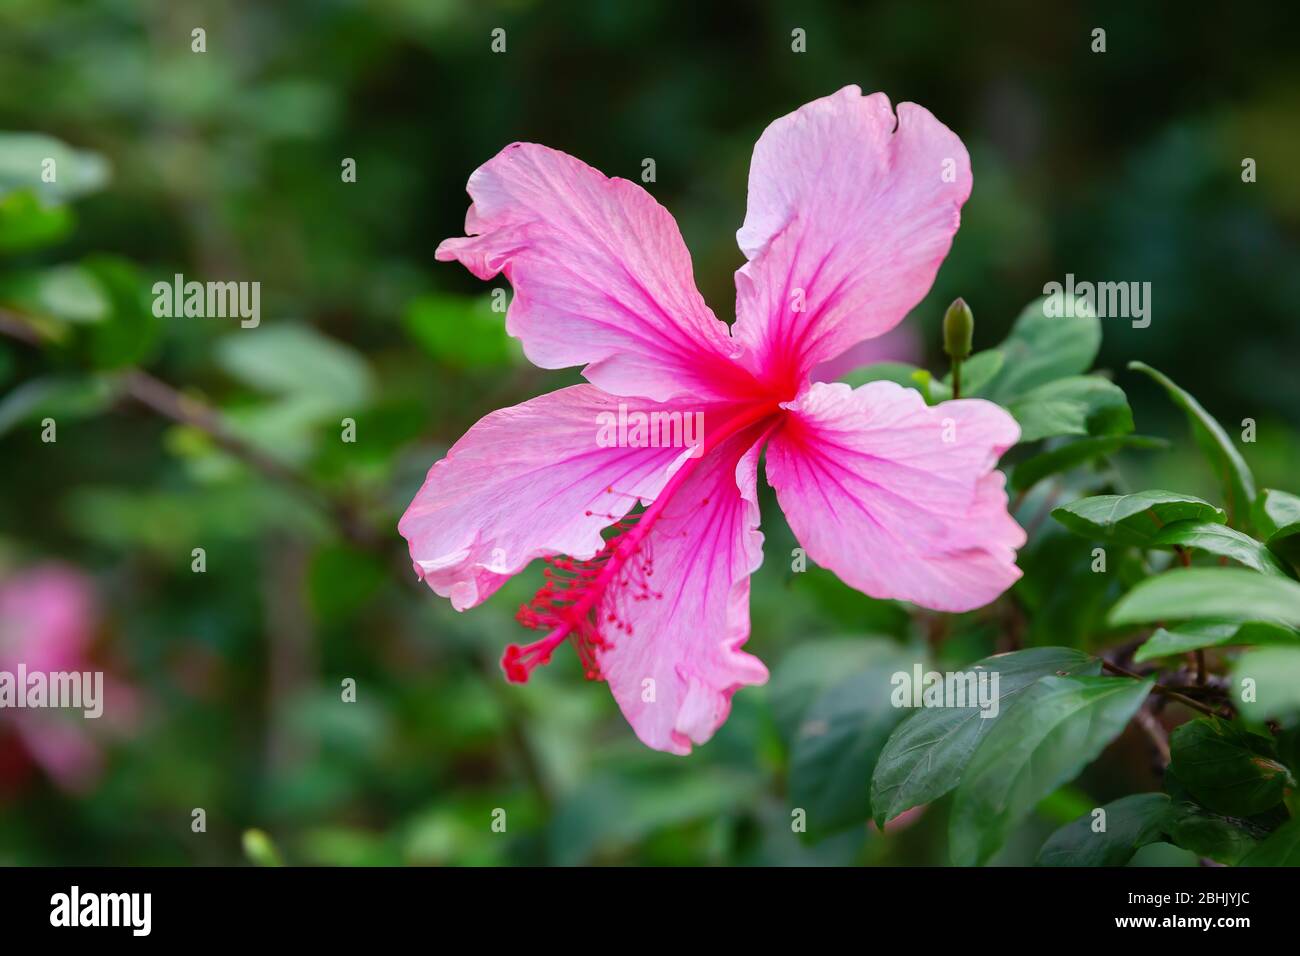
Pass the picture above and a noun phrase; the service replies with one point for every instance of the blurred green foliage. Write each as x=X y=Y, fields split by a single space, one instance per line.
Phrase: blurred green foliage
x=227 y=165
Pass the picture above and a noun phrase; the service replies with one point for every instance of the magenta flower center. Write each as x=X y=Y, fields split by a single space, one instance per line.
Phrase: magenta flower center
x=571 y=604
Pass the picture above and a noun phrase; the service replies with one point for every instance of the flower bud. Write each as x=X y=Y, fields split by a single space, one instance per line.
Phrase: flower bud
x=958 y=330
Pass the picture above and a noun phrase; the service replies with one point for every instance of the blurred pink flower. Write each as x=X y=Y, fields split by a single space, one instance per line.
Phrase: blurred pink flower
x=48 y=617
x=851 y=210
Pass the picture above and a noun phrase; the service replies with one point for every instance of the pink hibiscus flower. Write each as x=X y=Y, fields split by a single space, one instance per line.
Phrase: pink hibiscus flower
x=48 y=617
x=851 y=210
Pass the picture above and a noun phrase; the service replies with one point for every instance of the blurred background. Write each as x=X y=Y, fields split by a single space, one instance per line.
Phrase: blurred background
x=226 y=686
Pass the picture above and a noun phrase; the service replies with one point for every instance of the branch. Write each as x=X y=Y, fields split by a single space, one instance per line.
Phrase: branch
x=1155 y=731
x=1167 y=692
x=170 y=403
x=13 y=326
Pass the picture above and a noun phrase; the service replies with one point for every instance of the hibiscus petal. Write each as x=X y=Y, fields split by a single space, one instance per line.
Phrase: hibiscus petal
x=601 y=276
x=900 y=499
x=847 y=223
x=530 y=481
x=674 y=673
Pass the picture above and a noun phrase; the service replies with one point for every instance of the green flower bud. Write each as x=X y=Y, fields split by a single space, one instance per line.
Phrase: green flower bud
x=260 y=850
x=958 y=330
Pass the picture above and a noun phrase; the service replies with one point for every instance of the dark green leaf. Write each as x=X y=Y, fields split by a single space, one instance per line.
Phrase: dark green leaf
x=1233 y=473
x=1227 y=769
x=611 y=812
x=811 y=667
x=1133 y=519
x=1220 y=838
x=926 y=756
x=1060 y=725
x=1288 y=748
x=1277 y=518
x=1129 y=823
x=1282 y=848
x=1033 y=470
x=837 y=745
x=1277 y=514
x=1222 y=541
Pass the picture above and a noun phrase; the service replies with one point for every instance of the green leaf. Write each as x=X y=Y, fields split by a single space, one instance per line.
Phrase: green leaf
x=341 y=580
x=1133 y=519
x=460 y=332
x=811 y=667
x=1195 y=635
x=1033 y=470
x=66 y=293
x=611 y=811
x=1162 y=854
x=60 y=398
x=1218 y=539
x=1282 y=848
x=1277 y=518
x=1233 y=473
x=1276 y=673
x=129 y=334
x=1064 y=804
x=1288 y=748
x=1064 y=600
x=1078 y=405
x=1277 y=514
x=1044 y=345
x=1227 y=769
x=25 y=164
x=1060 y=725
x=298 y=362
x=977 y=371
x=1130 y=823
x=1222 y=839
x=926 y=756
x=1190 y=593
x=837 y=745
x=26 y=223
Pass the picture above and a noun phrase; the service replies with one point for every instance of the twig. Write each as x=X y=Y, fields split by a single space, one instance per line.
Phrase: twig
x=162 y=398
x=14 y=327
x=170 y=403
x=1155 y=731
x=1166 y=692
